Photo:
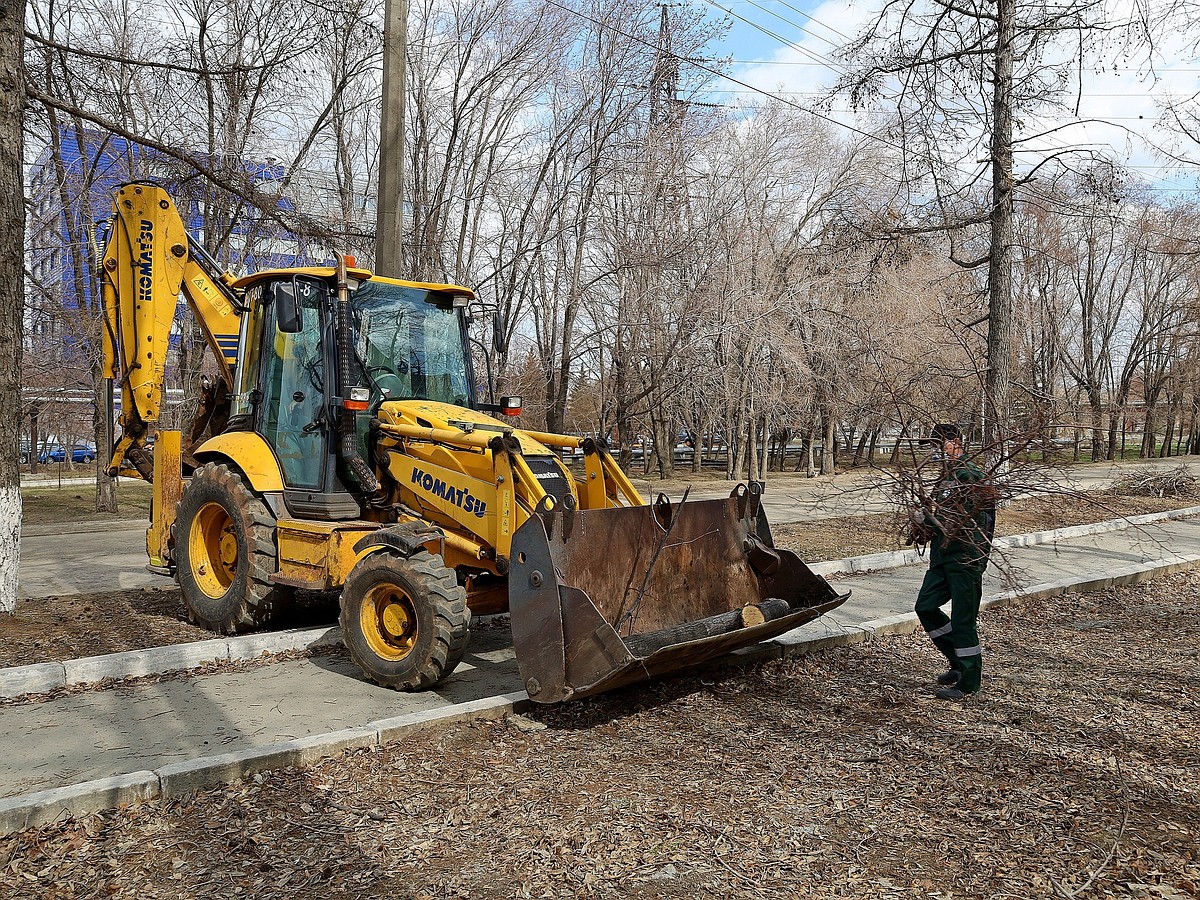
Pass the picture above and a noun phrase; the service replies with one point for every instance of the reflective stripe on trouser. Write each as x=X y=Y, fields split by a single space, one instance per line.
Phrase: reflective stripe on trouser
x=955 y=635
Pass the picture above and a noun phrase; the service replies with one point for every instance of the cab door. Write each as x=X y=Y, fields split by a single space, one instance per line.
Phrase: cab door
x=292 y=380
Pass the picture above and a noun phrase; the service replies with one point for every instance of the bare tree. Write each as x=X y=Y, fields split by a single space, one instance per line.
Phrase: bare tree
x=959 y=74
x=12 y=247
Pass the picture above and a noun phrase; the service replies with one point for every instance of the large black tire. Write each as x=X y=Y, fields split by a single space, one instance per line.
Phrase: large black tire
x=405 y=621
x=224 y=553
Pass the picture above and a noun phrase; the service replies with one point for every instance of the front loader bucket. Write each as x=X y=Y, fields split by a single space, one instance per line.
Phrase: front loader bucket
x=608 y=597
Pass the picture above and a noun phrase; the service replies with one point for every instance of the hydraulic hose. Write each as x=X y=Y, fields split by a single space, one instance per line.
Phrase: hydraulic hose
x=348 y=418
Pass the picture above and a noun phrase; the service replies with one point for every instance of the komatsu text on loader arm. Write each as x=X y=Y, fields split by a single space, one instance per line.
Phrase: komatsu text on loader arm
x=341 y=446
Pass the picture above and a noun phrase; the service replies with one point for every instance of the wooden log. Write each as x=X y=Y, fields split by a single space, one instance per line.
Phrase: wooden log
x=642 y=645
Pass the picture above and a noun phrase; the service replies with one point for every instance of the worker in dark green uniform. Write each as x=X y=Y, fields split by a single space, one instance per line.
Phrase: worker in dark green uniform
x=959 y=522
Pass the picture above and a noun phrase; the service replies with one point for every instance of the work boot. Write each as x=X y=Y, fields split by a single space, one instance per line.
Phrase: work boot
x=951 y=693
x=950 y=677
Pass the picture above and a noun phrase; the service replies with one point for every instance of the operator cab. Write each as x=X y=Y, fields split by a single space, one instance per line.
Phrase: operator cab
x=409 y=341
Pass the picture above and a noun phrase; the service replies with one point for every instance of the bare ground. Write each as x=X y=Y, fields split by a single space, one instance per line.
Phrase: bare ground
x=858 y=535
x=55 y=628
x=1075 y=774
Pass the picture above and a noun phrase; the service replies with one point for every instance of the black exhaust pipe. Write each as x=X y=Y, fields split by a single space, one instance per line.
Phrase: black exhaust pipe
x=348 y=418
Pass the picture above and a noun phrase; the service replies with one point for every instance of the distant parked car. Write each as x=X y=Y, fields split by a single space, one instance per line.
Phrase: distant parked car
x=80 y=453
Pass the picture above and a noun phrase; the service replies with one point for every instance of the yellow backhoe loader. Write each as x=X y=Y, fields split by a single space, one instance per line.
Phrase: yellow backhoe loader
x=341 y=445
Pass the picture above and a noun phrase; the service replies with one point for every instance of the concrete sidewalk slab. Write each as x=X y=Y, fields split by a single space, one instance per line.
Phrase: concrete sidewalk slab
x=107 y=555
x=39 y=808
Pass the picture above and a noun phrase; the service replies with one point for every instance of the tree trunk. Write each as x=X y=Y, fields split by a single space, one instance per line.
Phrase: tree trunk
x=1148 y=426
x=860 y=447
x=752 y=473
x=1097 y=426
x=737 y=445
x=764 y=458
x=829 y=450
x=809 y=447
x=34 y=438
x=664 y=443
x=1000 y=261
x=1169 y=436
x=12 y=281
x=106 y=488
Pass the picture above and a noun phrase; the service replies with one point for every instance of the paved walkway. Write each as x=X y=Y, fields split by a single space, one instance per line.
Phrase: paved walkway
x=108 y=732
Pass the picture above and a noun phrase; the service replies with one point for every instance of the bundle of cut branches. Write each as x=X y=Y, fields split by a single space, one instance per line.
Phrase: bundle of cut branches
x=1177 y=482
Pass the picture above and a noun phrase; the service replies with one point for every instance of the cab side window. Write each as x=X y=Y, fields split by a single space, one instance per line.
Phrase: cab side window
x=293 y=386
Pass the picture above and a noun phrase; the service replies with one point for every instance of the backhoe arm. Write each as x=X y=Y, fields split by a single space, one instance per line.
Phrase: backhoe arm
x=148 y=260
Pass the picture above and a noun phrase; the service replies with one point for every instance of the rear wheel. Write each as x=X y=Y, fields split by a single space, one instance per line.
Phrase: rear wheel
x=405 y=621
x=225 y=552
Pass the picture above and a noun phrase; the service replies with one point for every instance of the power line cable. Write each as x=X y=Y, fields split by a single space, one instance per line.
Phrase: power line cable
x=719 y=74
x=829 y=64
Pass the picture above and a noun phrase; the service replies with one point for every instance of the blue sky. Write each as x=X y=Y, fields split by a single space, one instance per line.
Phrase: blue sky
x=787 y=47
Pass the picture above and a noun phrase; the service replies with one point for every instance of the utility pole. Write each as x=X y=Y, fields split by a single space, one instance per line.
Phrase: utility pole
x=389 y=203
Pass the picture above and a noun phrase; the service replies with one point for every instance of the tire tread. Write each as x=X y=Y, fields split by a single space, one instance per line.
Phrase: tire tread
x=451 y=625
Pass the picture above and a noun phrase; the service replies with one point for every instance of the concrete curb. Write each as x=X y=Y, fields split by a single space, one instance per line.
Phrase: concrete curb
x=179 y=779
x=46 y=807
x=40 y=678
x=795 y=644
x=898 y=558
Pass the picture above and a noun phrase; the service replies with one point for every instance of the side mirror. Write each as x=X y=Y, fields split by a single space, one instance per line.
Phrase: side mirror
x=510 y=406
x=287 y=307
x=499 y=334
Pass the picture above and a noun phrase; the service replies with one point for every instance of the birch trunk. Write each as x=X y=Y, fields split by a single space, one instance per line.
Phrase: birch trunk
x=12 y=280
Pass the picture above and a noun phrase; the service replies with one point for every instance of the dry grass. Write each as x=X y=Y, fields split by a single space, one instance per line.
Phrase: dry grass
x=49 y=504
x=833 y=776
x=859 y=535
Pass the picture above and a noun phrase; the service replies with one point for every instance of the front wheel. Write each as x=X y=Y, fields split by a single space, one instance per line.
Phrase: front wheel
x=225 y=553
x=405 y=621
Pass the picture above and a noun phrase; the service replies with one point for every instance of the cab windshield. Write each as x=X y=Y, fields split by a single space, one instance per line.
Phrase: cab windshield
x=410 y=344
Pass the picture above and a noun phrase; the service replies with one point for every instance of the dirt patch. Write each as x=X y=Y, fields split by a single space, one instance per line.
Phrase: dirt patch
x=837 y=775
x=54 y=628
x=51 y=505
x=859 y=535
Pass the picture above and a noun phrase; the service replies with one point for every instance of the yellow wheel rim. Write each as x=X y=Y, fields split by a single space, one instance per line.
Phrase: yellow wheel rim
x=213 y=546
x=389 y=622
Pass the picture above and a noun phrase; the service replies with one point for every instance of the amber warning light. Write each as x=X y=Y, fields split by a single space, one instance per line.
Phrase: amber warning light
x=359 y=399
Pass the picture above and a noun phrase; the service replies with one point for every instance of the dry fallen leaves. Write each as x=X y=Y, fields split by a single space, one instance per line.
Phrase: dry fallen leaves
x=835 y=775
